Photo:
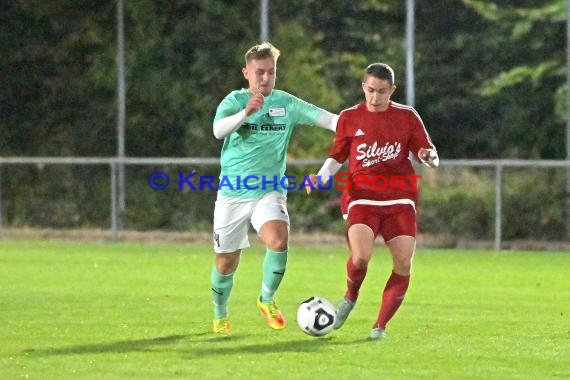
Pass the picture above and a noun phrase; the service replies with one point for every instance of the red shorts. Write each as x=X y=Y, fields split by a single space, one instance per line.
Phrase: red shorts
x=386 y=221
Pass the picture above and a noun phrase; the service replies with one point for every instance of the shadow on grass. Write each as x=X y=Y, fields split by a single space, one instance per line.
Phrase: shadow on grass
x=301 y=345
x=222 y=345
x=137 y=345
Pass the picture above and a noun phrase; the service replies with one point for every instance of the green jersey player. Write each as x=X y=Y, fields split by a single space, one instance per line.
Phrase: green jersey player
x=256 y=124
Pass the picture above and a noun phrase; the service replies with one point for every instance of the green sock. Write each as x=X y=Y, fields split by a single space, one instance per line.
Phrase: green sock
x=221 y=288
x=274 y=266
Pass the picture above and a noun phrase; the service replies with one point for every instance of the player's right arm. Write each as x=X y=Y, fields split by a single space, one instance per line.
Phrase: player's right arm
x=329 y=169
x=338 y=154
x=226 y=125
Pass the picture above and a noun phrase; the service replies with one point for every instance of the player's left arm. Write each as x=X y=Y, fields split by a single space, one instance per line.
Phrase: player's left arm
x=309 y=114
x=327 y=120
x=421 y=144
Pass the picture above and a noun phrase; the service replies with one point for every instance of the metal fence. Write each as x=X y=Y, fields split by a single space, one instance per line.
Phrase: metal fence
x=113 y=163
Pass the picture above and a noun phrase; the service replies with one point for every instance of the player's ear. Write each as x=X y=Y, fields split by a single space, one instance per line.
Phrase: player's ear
x=244 y=72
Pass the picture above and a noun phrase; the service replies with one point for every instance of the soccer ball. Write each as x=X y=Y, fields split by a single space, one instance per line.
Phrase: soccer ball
x=316 y=316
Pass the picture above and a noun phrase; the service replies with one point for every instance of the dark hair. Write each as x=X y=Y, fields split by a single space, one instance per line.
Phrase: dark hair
x=262 y=51
x=380 y=71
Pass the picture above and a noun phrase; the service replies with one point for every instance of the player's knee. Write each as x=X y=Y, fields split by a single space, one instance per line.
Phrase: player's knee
x=277 y=243
x=360 y=262
x=403 y=266
x=227 y=263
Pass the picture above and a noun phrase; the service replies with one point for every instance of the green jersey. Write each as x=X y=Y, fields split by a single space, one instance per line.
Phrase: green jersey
x=253 y=158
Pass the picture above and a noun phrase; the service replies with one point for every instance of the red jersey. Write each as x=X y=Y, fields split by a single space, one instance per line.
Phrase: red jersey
x=377 y=146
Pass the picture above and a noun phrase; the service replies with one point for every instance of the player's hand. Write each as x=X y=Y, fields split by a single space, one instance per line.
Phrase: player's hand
x=429 y=157
x=314 y=180
x=427 y=154
x=254 y=104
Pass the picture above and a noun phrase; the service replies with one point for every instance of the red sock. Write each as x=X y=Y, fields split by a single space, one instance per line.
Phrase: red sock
x=392 y=298
x=354 y=278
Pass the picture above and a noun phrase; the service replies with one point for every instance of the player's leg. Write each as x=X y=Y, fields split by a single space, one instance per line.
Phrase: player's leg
x=271 y=219
x=222 y=281
x=231 y=223
x=362 y=226
x=275 y=236
x=361 y=242
x=402 y=247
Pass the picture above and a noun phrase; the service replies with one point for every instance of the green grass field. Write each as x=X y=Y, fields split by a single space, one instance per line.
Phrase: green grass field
x=121 y=311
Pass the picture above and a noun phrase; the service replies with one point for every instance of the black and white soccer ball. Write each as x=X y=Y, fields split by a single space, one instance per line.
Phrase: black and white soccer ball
x=316 y=316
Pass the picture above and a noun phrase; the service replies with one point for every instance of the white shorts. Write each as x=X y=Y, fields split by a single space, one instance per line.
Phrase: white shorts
x=232 y=216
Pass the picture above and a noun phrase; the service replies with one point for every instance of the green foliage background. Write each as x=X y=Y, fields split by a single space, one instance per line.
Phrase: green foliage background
x=490 y=83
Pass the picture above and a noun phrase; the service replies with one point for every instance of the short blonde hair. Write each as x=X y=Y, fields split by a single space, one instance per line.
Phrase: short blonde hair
x=261 y=51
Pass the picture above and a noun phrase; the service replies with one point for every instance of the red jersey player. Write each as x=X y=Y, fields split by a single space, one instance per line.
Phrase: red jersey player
x=380 y=197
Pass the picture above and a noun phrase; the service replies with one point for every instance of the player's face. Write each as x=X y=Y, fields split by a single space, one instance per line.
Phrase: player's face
x=377 y=93
x=261 y=74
